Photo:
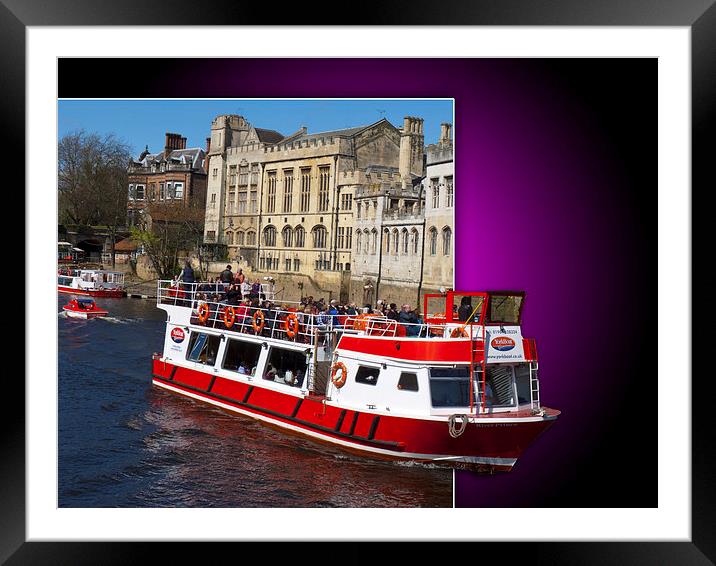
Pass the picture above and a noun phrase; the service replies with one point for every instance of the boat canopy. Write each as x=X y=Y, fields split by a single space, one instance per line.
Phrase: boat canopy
x=491 y=307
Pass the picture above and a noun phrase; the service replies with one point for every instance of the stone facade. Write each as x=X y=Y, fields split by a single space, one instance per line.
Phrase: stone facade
x=176 y=174
x=284 y=204
x=403 y=231
x=439 y=190
x=356 y=214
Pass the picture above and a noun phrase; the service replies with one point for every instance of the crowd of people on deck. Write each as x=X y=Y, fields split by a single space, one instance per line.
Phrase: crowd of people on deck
x=234 y=289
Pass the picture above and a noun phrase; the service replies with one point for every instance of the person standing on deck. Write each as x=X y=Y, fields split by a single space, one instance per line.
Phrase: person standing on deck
x=227 y=276
x=333 y=311
x=187 y=278
x=239 y=277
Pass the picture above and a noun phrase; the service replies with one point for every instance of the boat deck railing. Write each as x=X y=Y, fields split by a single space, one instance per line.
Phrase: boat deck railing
x=211 y=307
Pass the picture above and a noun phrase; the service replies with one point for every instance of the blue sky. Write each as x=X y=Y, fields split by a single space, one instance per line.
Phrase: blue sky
x=144 y=122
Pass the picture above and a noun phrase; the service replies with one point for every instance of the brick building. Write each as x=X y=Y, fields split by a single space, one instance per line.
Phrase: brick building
x=176 y=174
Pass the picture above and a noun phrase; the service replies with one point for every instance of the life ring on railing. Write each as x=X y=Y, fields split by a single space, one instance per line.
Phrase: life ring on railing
x=339 y=381
x=360 y=322
x=203 y=312
x=459 y=332
x=258 y=326
x=229 y=316
x=290 y=325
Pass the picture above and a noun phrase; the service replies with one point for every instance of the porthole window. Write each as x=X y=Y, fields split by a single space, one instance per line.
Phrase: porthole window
x=367 y=375
x=408 y=382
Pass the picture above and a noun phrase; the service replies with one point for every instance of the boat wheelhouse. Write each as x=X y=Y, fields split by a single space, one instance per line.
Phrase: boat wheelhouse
x=92 y=282
x=83 y=308
x=460 y=388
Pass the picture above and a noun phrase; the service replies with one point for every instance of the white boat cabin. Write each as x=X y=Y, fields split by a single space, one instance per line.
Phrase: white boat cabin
x=434 y=367
x=90 y=279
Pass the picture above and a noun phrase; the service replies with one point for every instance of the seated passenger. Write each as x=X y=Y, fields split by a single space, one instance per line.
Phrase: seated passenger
x=410 y=320
x=323 y=320
x=233 y=295
x=246 y=289
x=270 y=372
x=392 y=312
x=289 y=377
x=242 y=314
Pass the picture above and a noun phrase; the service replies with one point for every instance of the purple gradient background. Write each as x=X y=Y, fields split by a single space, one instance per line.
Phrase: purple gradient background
x=555 y=194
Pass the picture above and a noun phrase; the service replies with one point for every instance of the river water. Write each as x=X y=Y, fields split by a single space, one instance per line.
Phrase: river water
x=126 y=443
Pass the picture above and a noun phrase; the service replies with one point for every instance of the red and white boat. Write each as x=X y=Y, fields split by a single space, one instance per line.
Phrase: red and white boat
x=83 y=308
x=91 y=282
x=459 y=388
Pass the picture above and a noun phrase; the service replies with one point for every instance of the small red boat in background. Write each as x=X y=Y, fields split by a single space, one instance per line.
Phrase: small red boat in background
x=83 y=308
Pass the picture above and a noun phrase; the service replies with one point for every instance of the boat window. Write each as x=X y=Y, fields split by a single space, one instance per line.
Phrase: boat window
x=367 y=375
x=286 y=366
x=242 y=357
x=499 y=386
x=466 y=307
x=435 y=306
x=522 y=382
x=505 y=309
x=408 y=382
x=66 y=281
x=450 y=387
x=203 y=348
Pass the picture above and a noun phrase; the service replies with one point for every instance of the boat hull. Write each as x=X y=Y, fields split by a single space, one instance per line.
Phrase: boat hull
x=102 y=293
x=85 y=314
x=492 y=443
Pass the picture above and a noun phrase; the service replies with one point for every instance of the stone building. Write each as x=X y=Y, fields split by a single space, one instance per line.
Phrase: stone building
x=403 y=229
x=176 y=174
x=439 y=190
x=284 y=204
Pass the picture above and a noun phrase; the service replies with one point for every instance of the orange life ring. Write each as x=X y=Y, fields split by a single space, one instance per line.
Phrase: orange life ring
x=258 y=327
x=360 y=322
x=203 y=312
x=290 y=325
x=229 y=316
x=459 y=332
x=341 y=381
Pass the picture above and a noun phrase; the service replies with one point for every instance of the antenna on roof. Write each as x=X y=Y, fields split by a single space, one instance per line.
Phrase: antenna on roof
x=381 y=112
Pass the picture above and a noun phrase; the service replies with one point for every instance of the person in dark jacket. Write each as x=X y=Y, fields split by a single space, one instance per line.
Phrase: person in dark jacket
x=256 y=289
x=392 y=313
x=227 y=276
x=465 y=310
x=187 y=278
x=233 y=295
x=408 y=317
x=187 y=274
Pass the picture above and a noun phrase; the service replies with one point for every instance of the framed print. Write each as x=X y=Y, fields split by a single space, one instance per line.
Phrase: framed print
x=540 y=172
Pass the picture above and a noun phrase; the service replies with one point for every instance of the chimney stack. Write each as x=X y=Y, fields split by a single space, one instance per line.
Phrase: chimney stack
x=183 y=143
x=208 y=145
x=172 y=142
x=411 y=149
x=445 y=134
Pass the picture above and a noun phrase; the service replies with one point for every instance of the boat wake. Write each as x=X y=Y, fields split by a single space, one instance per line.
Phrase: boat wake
x=111 y=319
x=116 y=319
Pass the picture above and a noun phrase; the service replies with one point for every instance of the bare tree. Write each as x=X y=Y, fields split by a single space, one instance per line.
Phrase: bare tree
x=92 y=181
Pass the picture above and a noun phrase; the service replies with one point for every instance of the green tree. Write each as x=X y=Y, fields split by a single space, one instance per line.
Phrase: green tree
x=169 y=233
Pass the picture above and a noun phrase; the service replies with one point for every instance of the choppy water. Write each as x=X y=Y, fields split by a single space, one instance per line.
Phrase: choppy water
x=125 y=443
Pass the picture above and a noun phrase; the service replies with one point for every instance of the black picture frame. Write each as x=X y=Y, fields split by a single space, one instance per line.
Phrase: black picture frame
x=700 y=16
